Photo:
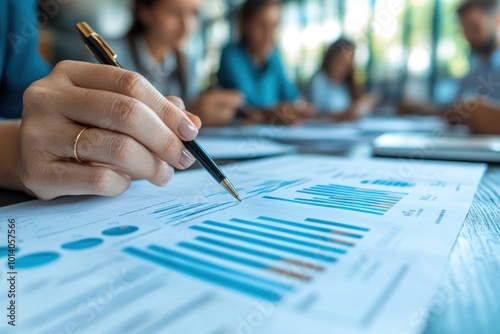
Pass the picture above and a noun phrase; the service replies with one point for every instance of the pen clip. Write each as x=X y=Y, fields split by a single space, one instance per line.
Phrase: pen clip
x=88 y=32
x=105 y=46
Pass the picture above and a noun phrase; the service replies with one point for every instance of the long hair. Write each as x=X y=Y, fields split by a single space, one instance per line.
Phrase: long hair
x=331 y=54
x=138 y=28
x=250 y=8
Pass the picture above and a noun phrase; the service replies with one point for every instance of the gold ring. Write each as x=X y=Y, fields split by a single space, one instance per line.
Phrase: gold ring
x=75 y=147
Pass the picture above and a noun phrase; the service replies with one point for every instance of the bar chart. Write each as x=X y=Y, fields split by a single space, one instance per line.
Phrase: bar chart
x=258 y=257
x=390 y=183
x=178 y=211
x=370 y=201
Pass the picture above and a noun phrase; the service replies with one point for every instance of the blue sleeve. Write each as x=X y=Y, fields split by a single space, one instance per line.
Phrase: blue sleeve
x=20 y=61
x=316 y=92
x=235 y=74
x=288 y=91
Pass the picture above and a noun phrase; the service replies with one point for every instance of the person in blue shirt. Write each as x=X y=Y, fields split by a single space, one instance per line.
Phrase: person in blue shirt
x=253 y=66
x=86 y=129
x=477 y=104
x=18 y=48
x=333 y=89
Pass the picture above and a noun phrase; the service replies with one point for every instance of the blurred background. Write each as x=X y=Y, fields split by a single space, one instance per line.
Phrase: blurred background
x=405 y=48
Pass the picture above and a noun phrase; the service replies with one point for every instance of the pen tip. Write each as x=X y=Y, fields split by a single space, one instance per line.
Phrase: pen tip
x=239 y=198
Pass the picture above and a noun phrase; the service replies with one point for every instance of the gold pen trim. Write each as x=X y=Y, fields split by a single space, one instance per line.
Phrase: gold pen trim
x=88 y=32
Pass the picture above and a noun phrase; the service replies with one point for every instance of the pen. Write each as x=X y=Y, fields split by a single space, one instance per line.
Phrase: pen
x=105 y=55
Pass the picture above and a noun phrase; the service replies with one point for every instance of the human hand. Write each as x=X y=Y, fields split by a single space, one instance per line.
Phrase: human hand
x=217 y=107
x=294 y=113
x=133 y=133
x=410 y=108
x=480 y=115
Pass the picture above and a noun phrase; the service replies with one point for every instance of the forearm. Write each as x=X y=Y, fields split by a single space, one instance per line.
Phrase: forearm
x=10 y=155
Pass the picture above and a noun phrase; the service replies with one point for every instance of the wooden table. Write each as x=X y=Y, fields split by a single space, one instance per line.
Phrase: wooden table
x=468 y=300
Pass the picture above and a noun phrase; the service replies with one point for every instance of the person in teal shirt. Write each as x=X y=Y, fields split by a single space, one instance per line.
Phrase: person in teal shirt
x=263 y=86
x=253 y=66
x=18 y=49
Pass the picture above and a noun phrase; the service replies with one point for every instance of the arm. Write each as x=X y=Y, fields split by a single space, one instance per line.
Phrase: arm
x=480 y=115
x=9 y=155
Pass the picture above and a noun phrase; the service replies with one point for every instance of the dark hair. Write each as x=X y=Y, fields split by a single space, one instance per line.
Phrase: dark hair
x=488 y=6
x=138 y=28
x=251 y=7
x=338 y=48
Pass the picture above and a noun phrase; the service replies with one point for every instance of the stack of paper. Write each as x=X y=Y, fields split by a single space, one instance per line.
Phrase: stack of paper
x=318 y=245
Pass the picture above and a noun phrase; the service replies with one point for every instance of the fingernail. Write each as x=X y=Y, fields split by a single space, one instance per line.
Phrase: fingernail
x=168 y=173
x=187 y=159
x=187 y=130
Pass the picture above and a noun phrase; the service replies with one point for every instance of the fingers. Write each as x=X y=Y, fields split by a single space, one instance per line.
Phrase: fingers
x=125 y=155
x=180 y=104
x=125 y=115
x=177 y=101
x=62 y=178
x=131 y=84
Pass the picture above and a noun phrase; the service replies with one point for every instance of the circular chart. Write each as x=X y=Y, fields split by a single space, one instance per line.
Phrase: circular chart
x=82 y=244
x=36 y=260
x=120 y=230
x=4 y=251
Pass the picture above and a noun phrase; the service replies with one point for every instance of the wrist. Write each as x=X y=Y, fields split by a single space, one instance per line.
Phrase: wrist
x=10 y=153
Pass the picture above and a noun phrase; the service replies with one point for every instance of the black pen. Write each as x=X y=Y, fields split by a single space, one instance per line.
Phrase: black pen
x=105 y=55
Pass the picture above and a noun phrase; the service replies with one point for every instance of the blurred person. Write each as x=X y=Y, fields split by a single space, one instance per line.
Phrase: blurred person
x=153 y=47
x=87 y=129
x=254 y=67
x=478 y=101
x=333 y=90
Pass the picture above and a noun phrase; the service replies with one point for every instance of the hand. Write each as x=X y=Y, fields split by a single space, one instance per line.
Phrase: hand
x=134 y=133
x=294 y=113
x=480 y=115
x=217 y=107
x=408 y=107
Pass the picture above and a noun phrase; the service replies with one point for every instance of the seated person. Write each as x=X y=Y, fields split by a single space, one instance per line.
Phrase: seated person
x=153 y=49
x=333 y=90
x=87 y=129
x=478 y=102
x=254 y=68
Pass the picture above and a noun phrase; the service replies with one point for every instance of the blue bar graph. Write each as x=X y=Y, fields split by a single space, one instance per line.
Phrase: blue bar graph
x=389 y=183
x=252 y=251
x=179 y=255
x=242 y=260
x=294 y=232
x=224 y=279
x=180 y=211
x=267 y=244
x=333 y=196
x=346 y=226
x=314 y=228
x=273 y=185
x=241 y=255
x=272 y=236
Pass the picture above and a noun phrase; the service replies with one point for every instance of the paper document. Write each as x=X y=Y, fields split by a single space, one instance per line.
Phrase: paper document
x=381 y=125
x=318 y=245
x=250 y=148
x=299 y=133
